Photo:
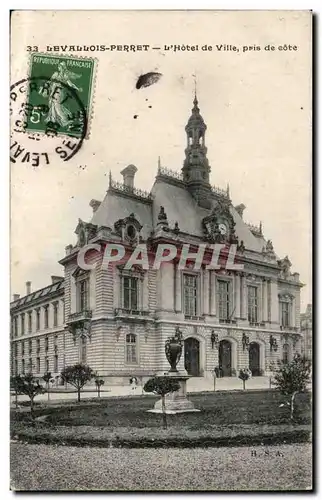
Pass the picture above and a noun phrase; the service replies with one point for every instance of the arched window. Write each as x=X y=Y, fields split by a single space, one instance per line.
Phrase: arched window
x=131 y=348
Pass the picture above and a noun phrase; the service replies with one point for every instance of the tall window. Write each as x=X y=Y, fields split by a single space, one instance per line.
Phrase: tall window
x=30 y=365
x=38 y=319
x=22 y=323
x=30 y=346
x=23 y=366
x=252 y=304
x=38 y=365
x=83 y=295
x=131 y=348
x=285 y=353
x=46 y=316
x=16 y=326
x=46 y=364
x=130 y=292
x=83 y=350
x=46 y=344
x=22 y=348
x=56 y=363
x=285 y=313
x=190 y=294
x=38 y=346
x=224 y=299
x=55 y=306
x=29 y=321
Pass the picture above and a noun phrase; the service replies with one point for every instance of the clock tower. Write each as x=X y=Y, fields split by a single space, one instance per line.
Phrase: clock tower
x=196 y=167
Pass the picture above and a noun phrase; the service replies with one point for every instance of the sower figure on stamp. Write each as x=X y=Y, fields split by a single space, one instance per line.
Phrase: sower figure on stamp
x=58 y=113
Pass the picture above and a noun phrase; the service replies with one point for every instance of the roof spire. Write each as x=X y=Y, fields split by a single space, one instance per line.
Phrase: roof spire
x=195 y=101
x=110 y=178
x=159 y=163
x=227 y=190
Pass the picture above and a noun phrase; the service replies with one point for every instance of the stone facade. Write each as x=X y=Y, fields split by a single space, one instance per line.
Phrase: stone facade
x=306 y=331
x=117 y=321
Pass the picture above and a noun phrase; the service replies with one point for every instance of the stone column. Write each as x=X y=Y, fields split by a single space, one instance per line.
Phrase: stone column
x=237 y=296
x=178 y=292
x=212 y=293
x=265 y=301
x=205 y=291
x=274 y=303
x=145 y=284
x=243 y=290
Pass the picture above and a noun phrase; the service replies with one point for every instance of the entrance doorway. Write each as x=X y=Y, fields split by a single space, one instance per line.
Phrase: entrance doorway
x=254 y=359
x=192 y=356
x=225 y=358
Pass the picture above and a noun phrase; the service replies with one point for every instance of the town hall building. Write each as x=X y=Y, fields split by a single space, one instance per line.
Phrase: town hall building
x=117 y=320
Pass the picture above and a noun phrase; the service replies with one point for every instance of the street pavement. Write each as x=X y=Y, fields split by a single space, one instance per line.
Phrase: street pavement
x=54 y=468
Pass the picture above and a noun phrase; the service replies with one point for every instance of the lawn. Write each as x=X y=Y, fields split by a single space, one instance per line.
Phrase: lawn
x=225 y=419
x=222 y=408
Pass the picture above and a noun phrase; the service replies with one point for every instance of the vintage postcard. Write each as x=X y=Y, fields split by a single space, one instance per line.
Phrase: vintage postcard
x=161 y=308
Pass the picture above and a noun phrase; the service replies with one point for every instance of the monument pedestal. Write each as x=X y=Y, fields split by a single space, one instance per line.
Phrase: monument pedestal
x=176 y=402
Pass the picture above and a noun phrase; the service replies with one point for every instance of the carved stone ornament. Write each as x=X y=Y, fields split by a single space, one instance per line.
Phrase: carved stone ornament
x=80 y=329
x=85 y=232
x=219 y=226
x=129 y=229
x=285 y=266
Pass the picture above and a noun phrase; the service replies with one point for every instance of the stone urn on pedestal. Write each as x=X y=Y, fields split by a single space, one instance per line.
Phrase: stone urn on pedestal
x=175 y=402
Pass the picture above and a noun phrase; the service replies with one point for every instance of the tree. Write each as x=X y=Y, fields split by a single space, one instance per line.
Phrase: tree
x=162 y=386
x=77 y=375
x=98 y=383
x=28 y=385
x=47 y=378
x=292 y=378
x=14 y=387
x=244 y=375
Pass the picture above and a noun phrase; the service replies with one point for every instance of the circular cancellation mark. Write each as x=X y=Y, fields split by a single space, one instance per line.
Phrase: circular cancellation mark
x=48 y=121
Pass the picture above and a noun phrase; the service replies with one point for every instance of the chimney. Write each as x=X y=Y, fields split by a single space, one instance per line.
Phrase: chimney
x=56 y=279
x=16 y=296
x=28 y=287
x=94 y=204
x=240 y=209
x=128 y=175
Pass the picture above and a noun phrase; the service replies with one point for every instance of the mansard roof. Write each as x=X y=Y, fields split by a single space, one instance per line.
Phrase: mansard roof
x=170 y=193
x=40 y=295
x=118 y=205
x=180 y=206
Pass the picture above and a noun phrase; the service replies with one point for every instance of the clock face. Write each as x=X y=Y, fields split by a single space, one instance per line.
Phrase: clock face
x=222 y=228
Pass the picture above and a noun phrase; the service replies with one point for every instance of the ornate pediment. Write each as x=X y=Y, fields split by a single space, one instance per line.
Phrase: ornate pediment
x=219 y=226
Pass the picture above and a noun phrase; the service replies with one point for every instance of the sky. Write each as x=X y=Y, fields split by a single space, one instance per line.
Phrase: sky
x=256 y=104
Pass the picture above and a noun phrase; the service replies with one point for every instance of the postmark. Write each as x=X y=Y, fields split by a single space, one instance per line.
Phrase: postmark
x=43 y=147
x=49 y=111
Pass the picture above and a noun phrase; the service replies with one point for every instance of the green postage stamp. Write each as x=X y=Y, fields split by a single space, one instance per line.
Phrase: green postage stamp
x=62 y=102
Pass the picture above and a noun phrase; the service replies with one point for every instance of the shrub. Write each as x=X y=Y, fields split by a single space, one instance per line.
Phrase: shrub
x=77 y=375
x=244 y=374
x=162 y=386
x=292 y=378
